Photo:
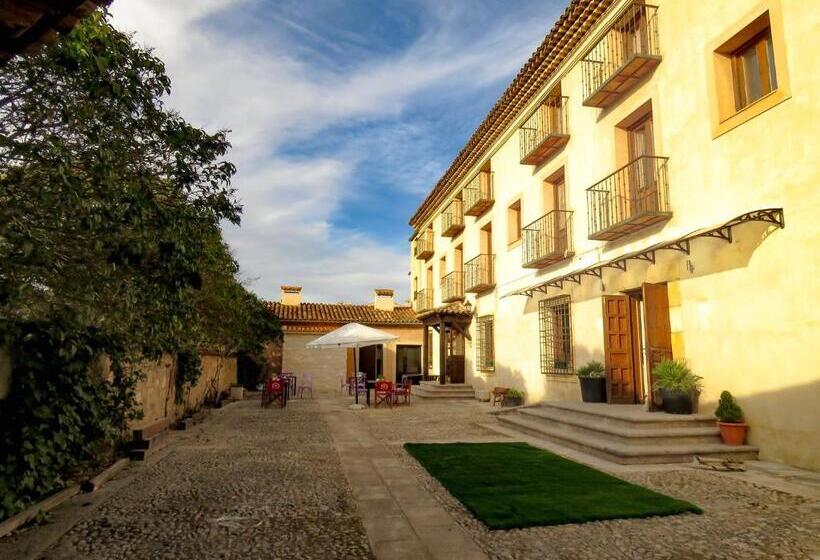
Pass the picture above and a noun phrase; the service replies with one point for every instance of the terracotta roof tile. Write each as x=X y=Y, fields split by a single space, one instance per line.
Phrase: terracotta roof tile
x=342 y=313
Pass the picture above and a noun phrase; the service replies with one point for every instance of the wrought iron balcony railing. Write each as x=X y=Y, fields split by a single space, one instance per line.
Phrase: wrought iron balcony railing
x=452 y=219
x=452 y=287
x=478 y=194
x=424 y=245
x=545 y=132
x=625 y=54
x=633 y=197
x=479 y=274
x=548 y=239
x=423 y=300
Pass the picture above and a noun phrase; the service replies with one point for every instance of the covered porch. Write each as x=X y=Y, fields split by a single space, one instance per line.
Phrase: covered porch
x=452 y=323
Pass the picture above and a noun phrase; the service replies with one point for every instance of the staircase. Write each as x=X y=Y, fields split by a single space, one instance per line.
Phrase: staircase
x=624 y=434
x=433 y=390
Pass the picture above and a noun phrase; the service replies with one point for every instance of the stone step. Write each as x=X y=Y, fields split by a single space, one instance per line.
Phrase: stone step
x=622 y=416
x=609 y=448
x=431 y=389
x=640 y=435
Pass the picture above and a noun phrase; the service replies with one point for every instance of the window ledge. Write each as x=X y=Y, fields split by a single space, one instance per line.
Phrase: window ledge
x=514 y=244
x=751 y=111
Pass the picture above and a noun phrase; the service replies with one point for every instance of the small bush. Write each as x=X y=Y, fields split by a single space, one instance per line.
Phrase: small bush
x=515 y=394
x=591 y=369
x=675 y=375
x=728 y=410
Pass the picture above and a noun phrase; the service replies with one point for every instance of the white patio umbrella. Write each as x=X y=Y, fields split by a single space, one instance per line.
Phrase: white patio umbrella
x=353 y=335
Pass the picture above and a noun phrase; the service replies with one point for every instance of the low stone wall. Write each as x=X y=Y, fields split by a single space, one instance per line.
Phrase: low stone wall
x=156 y=393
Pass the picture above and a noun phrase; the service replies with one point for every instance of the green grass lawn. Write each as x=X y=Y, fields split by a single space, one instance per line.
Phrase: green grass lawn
x=513 y=485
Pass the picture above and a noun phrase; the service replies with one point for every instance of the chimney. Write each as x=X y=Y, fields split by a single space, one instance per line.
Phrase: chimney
x=384 y=300
x=291 y=295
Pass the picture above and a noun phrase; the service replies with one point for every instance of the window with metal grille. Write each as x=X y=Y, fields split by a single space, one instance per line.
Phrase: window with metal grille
x=485 y=344
x=556 y=336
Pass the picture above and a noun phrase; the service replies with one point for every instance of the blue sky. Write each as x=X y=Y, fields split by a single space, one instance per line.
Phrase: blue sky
x=342 y=115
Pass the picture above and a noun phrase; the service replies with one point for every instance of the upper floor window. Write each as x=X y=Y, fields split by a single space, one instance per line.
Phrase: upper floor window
x=753 y=70
x=750 y=73
x=514 y=223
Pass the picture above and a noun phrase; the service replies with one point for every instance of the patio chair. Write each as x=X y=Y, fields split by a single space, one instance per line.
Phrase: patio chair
x=275 y=392
x=403 y=390
x=384 y=393
x=499 y=394
x=305 y=385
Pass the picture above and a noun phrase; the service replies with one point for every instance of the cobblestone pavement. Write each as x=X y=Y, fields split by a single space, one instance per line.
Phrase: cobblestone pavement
x=741 y=520
x=253 y=483
x=247 y=483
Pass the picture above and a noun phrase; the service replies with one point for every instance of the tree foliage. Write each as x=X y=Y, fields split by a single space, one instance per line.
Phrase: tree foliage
x=110 y=206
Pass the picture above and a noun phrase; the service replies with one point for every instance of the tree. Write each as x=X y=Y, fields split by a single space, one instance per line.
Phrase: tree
x=110 y=206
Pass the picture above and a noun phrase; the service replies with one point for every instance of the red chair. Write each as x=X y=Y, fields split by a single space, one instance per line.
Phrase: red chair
x=403 y=390
x=275 y=392
x=384 y=393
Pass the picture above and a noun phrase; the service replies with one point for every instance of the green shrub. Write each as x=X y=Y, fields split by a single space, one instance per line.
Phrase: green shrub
x=591 y=369
x=675 y=375
x=515 y=394
x=728 y=410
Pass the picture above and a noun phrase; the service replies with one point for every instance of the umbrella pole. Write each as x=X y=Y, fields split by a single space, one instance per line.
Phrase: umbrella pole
x=355 y=375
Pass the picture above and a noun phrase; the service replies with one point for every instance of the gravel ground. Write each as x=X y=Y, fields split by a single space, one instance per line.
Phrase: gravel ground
x=247 y=483
x=741 y=520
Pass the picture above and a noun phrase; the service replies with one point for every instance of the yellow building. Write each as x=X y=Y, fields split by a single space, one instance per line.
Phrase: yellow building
x=647 y=187
x=303 y=322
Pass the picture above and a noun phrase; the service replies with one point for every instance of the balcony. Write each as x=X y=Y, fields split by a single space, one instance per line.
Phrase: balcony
x=478 y=194
x=452 y=287
x=424 y=245
x=452 y=219
x=628 y=52
x=479 y=274
x=544 y=133
x=548 y=239
x=632 y=198
x=423 y=301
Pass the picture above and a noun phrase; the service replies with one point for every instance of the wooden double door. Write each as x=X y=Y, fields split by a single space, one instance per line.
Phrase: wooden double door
x=637 y=335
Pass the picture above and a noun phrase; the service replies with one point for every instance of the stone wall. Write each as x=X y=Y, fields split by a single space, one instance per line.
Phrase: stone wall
x=326 y=364
x=156 y=393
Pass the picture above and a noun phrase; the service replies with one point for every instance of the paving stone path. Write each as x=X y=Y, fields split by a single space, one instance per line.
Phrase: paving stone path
x=317 y=480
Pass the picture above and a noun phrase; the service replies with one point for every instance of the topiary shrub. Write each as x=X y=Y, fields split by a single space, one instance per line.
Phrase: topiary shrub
x=728 y=410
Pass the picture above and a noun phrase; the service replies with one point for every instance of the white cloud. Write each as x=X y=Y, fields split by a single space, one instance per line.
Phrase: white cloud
x=271 y=100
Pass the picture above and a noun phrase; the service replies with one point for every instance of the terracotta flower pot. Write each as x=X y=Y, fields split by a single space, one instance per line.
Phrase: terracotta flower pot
x=733 y=433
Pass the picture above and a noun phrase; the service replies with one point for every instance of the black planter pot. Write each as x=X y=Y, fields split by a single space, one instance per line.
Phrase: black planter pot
x=676 y=402
x=512 y=401
x=593 y=389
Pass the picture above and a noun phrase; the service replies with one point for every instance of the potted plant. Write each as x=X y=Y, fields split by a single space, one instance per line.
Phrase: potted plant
x=730 y=420
x=592 y=378
x=678 y=386
x=513 y=398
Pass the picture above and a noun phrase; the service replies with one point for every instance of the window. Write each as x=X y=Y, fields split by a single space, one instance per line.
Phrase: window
x=750 y=74
x=485 y=344
x=753 y=70
x=514 y=223
x=556 y=336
